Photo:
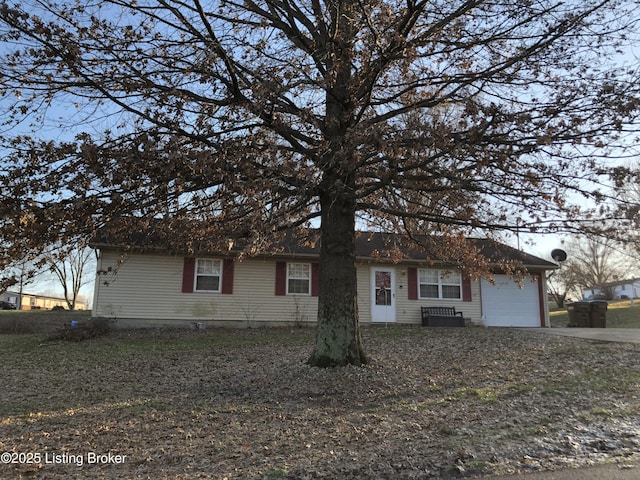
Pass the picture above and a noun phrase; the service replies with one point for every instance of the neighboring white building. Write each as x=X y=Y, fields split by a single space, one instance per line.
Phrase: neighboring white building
x=621 y=289
x=138 y=289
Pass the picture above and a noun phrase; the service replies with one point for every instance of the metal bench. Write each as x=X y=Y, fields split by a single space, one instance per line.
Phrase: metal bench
x=441 y=317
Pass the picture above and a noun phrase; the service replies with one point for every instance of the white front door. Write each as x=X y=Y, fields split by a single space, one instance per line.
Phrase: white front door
x=383 y=296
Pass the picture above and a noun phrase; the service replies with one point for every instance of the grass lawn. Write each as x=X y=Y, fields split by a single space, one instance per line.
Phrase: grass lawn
x=242 y=404
x=37 y=321
x=620 y=314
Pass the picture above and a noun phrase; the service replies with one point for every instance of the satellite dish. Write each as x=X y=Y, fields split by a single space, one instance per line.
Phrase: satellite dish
x=558 y=255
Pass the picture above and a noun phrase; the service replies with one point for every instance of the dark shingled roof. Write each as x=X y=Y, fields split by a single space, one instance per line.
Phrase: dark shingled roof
x=373 y=246
x=380 y=246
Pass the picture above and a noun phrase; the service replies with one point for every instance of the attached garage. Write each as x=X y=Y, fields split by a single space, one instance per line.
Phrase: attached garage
x=159 y=286
x=508 y=304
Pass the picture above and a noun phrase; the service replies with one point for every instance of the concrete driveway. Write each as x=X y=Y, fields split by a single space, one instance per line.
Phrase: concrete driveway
x=625 y=335
x=597 y=472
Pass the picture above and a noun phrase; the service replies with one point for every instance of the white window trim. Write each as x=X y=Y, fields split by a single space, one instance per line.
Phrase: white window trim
x=310 y=279
x=195 y=276
x=440 y=284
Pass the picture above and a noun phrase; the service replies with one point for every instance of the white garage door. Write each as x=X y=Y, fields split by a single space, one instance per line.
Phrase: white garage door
x=506 y=304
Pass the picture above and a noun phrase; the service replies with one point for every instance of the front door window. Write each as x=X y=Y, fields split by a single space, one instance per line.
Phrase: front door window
x=383 y=288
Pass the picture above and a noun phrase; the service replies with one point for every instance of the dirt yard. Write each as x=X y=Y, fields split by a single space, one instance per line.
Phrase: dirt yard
x=242 y=404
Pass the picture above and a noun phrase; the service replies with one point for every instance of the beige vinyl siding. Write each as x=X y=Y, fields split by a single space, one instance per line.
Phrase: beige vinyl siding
x=138 y=286
x=149 y=287
x=471 y=310
x=146 y=289
x=363 y=277
x=408 y=311
x=255 y=301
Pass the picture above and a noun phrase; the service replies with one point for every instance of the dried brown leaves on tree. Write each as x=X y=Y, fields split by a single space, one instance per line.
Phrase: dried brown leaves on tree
x=446 y=118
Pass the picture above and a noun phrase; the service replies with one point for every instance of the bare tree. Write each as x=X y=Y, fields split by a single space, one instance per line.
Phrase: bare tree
x=593 y=262
x=562 y=284
x=627 y=185
x=71 y=267
x=239 y=120
x=19 y=274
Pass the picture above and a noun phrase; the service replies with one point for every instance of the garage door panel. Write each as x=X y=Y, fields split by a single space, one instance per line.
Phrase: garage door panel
x=507 y=304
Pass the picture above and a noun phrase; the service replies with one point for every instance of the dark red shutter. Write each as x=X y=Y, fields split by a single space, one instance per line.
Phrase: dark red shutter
x=412 y=283
x=466 y=289
x=227 y=276
x=543 y=317
x=281 y=278
x=188 y=272
x=315 y=279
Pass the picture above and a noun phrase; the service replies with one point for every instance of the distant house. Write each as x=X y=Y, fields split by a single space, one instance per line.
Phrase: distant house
x=620 y=289
x=141 y=284
x=32 y=301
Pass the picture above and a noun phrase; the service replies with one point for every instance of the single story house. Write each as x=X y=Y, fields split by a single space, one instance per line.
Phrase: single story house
x=620 y=289
x=145 y=285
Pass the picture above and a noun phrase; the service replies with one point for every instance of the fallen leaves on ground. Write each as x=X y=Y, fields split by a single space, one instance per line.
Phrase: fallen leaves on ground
x=242 y=404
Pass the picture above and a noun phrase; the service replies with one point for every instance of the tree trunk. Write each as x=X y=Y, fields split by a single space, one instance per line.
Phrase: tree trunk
x=338 y=340
x=338 y=334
